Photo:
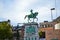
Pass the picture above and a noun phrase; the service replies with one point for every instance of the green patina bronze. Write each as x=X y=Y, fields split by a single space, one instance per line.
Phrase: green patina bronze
x=32 y=15
x=30 y=30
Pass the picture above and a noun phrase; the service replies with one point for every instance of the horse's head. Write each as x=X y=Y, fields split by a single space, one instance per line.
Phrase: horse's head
x=36 y=13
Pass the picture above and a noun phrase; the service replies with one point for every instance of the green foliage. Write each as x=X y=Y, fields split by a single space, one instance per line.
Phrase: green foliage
x=5 y=30
x=40 y=33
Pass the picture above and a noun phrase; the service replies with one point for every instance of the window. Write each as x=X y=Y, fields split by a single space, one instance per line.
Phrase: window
x=29 y=38
x=48 y=25
x=43 y=26
x=32 y=38
x=35 y=38
x=26 y=38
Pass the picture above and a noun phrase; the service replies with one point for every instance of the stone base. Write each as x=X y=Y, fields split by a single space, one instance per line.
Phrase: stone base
x=31 y=35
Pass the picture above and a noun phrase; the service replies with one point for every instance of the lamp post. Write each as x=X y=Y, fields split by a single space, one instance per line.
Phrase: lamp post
x=51 y=13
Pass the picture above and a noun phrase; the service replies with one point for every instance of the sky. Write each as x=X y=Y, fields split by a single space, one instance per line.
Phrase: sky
x=15 y=10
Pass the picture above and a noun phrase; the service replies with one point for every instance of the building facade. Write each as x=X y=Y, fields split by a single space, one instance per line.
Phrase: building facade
x=18 y=33
x=51 y=32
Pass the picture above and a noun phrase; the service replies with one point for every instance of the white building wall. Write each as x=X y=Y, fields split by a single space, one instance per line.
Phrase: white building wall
x=57 y=26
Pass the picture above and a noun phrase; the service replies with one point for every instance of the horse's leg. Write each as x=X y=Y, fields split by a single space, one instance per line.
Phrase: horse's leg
x=37 y=19
x=33 y=19
x=28 y=20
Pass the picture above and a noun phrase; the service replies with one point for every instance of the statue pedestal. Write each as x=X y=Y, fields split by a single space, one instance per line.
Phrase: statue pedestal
x=31 y=31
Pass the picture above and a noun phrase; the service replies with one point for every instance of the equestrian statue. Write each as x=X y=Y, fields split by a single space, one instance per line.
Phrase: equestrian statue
x=32 y=15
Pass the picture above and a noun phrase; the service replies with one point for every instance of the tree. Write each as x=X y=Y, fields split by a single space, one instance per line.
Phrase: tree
x=5 y=30
x=41 y=34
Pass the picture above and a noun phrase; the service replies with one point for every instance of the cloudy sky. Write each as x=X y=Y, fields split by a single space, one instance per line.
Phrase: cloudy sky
x=15 y=10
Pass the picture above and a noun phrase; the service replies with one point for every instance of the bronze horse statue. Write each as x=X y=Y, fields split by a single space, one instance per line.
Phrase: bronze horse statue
x=32 y=15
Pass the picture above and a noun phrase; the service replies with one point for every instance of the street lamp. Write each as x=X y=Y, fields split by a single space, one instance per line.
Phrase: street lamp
x=51 y=13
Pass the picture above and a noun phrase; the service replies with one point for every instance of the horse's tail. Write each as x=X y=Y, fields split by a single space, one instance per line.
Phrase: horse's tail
x=25 y=16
